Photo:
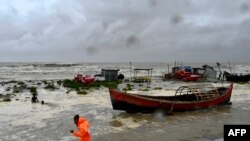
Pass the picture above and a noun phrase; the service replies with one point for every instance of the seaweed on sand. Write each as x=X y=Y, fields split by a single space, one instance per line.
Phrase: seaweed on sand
x=50 y=86
x=97 y=84
x=20 y=87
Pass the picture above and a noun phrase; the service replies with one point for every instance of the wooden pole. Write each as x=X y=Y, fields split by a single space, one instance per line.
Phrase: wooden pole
x=168 y=68
x=229 y=66
x=130 y=63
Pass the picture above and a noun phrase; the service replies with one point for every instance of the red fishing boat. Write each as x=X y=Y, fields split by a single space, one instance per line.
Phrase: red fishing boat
x=186 y=98
x=84 y=79
x=185 y=73
x=191 y=77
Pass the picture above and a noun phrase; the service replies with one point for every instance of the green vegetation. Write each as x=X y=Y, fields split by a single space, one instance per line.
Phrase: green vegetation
x=68 y=91
x=82 y=92
x=20 y=83
x=59 y=82
x=15 y=89
x=8 y=89
x=158 y=88
x=125 y=89
x=130 y=85
x=81 y=87
x=71 y=84
x=242 y=83
x=143 y=89
x=128 y=88
x=19 y=88
x=6 y=100
x=45 y=82
x=50 y=86
x=108 y=84
x=33 y=90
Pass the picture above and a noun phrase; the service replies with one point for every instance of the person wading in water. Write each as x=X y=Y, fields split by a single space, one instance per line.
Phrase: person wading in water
x=34 y=99
x=83 y=126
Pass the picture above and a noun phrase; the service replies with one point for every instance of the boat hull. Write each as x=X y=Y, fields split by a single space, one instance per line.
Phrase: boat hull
x=237 y=78
x=136 y=103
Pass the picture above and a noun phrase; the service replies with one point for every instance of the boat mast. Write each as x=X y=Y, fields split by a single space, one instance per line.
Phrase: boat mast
x=130 y=63
x=229 y=66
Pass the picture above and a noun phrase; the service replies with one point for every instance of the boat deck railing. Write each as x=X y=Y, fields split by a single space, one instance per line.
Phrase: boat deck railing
x=201 y=92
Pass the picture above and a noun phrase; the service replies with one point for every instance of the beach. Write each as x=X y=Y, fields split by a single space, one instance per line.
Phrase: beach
x=22 y=120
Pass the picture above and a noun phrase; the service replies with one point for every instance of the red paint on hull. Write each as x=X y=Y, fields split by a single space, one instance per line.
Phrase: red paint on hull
x=125 y=101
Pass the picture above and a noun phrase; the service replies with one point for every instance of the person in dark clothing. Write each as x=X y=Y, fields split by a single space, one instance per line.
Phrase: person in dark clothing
x=34 y=99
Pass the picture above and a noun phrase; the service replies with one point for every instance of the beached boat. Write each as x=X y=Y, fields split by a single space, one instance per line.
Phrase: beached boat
x=188 y=73
x=185 y=73
x=84 y=79
x=236 y=77
x=186 y=98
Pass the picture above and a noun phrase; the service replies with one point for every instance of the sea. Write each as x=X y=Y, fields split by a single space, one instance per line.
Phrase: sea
x=22 y=120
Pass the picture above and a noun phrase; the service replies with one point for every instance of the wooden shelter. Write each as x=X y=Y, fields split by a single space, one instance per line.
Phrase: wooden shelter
x=142 y=74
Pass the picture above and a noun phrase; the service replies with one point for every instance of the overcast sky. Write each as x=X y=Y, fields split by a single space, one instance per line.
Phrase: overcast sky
x=125 y=30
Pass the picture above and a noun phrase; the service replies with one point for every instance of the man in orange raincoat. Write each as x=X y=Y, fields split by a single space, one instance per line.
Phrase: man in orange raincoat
x=83 y=126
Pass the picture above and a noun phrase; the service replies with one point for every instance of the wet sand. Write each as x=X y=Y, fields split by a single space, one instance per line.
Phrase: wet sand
x=22 y=120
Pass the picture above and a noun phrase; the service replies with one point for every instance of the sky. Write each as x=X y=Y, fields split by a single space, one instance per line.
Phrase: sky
x=124 y=30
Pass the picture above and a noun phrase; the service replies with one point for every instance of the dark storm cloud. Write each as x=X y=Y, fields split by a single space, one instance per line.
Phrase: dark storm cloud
x=151 y=30
x=132 y=41
x=91 y=50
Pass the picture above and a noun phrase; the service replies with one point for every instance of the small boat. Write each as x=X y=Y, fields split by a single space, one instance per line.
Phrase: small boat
x=185 y=73
x=188 y=73
x=84 y=79
x=186 y=98
x=236 y=77
x=191 y=77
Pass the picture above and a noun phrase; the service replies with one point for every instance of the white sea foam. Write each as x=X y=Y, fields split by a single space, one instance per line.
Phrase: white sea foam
x=23 y=112
x=26 y=113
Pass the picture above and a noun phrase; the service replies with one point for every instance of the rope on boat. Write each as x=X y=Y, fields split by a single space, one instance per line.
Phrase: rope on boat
x=172 y=108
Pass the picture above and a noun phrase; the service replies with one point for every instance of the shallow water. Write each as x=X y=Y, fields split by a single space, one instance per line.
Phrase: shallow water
x=42 y=71
x=22 y=120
